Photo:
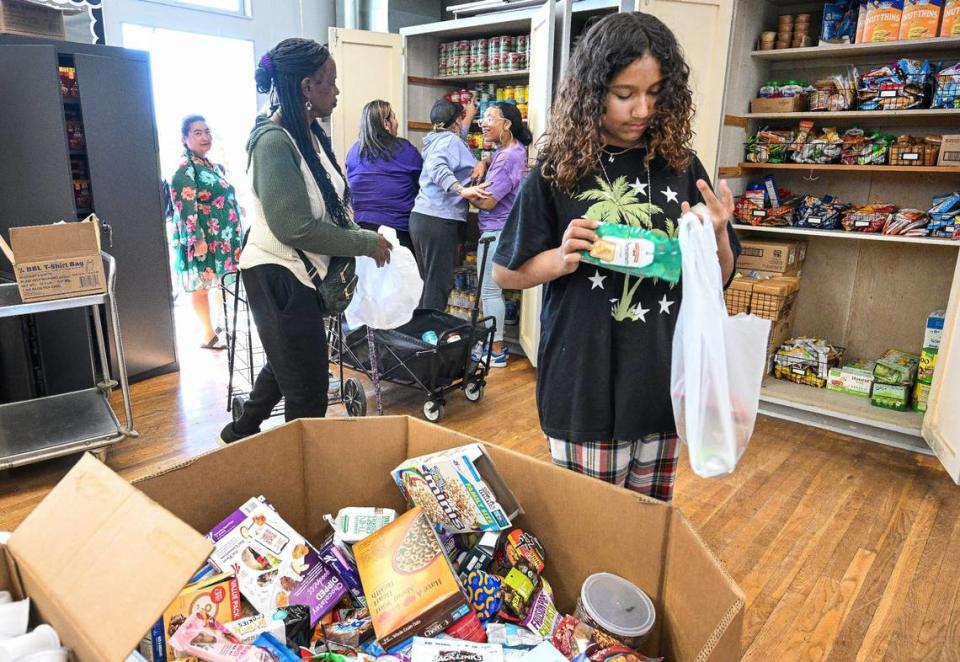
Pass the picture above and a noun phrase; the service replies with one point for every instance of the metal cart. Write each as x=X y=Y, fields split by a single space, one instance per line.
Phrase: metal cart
x=47 y=427
x=245 y=355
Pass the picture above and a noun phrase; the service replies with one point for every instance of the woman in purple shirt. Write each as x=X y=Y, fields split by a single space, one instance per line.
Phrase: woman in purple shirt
x=502 y=126
x=383 y=171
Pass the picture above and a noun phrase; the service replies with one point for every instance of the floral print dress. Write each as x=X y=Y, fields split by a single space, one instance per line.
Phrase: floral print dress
x=206 y=223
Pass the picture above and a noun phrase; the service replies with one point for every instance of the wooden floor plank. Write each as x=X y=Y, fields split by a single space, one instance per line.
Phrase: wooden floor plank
x=839 y=544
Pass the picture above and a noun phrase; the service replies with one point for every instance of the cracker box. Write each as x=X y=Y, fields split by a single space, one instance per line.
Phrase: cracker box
x=854 y=379
x=883 y=20
x=934 y=329
x=217 y=596
x=921 y=18
x=411 y=587
x=458 y=489
x=275 y=565
x=950 y=27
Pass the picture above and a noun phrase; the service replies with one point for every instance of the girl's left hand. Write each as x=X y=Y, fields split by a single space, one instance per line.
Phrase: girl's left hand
x=721 y=209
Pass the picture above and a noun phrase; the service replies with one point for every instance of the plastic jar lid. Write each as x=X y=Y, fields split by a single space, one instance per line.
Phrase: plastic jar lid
x=617 y=606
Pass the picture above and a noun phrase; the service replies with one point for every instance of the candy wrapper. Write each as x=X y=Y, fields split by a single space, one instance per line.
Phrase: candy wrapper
x=468 y=628
x=635 y=251
x=485 y=592
x=519 y=585
x=208 y=640
x=296 y=621
x=869 y=218
x=520 y=544
x=865 y=149
x=275 y=647
x=542 y=616
x=908 y=222
x=945 y=216
x=902 y=85
x=819 y=214
x=821 y=148
x=574 y=639
x=510 y=635
x=769 y=146
x=354 y=628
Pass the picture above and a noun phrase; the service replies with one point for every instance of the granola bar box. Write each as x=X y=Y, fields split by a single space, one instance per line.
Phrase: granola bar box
x=275 y=566
x=458 y=489
x=411 y=587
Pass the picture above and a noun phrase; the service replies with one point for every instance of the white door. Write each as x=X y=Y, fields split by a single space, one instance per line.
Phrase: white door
x=941 y=425
x=370 y=65
x=703 y=29
x=538 y=114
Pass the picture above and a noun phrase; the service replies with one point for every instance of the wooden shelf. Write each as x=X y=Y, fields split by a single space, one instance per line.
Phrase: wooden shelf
x=837 y=167
x=445 y=81
x=884 y=117
x=843 y=413
x=842 y=234
x=896 y=48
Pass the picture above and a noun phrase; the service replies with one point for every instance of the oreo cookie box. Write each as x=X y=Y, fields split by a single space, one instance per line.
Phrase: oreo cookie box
x=458 y=489
x=274 y=565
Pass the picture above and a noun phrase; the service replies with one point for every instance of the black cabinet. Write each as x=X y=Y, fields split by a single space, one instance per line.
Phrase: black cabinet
x=49 y=173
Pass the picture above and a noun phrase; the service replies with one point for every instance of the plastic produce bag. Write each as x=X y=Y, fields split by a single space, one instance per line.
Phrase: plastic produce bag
x=718 y=360
x=387 y=296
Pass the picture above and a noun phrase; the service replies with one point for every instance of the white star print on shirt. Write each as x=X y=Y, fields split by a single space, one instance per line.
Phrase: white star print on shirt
x=639 y=187
x=597 y=280
x=665 y=305
x=671 y=194
x=641 y=312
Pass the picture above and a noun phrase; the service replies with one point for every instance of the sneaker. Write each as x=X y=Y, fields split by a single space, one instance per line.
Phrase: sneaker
x=228 y=434
x=499 y=360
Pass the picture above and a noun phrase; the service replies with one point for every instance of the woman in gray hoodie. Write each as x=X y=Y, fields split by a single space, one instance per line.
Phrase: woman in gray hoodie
x=440 y=211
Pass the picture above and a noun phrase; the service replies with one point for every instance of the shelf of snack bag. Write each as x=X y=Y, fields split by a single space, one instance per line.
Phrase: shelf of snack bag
x=849 y=28
x=766 y=207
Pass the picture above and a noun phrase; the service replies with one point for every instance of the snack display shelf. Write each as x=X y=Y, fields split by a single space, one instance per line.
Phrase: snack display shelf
x=925 y=116
x=839 y=167
x=887 y=48
x=841 y=234
x=469 y=78
x=842 y=413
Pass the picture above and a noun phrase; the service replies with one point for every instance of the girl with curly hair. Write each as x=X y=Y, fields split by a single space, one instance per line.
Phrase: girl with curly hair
x=617 y=150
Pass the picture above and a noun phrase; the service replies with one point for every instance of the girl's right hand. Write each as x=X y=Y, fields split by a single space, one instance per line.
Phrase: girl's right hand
x=579 y=236
x=381 y=255
x=475 y=193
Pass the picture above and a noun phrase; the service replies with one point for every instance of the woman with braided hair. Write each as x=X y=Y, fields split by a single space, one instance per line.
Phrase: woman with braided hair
x=301 y=228
x=618 y=150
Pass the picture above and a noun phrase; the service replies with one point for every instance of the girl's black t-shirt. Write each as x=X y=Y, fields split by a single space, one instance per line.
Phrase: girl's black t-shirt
x=603 y=368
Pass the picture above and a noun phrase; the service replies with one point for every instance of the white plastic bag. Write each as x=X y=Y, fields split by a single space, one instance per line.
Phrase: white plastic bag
x=718 y=360
x=386 y=296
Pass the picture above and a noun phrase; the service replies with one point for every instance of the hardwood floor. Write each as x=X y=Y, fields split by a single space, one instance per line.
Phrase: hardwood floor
x=846 y=550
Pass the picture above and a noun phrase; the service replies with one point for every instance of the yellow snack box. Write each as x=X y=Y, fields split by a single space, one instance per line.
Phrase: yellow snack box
x=921 y=18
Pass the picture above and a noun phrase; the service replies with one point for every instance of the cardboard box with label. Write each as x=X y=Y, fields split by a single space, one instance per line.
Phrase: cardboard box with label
x=781 y=257
x=115 y=540
x=57 y=261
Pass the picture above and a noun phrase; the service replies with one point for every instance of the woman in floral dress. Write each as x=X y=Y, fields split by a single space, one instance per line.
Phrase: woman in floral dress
x=207 y=237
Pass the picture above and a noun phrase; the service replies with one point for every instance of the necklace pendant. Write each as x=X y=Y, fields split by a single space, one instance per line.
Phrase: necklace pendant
x=610 y=159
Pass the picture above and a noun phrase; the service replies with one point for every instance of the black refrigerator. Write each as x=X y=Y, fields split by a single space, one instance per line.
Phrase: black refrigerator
x=77 y=136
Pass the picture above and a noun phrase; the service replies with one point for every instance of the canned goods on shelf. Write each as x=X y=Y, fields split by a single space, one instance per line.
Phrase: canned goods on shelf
x=513 y=62
x=463 y=65
x=463 y=47
x=523 y=43
x=507 y=44
x=509 y=93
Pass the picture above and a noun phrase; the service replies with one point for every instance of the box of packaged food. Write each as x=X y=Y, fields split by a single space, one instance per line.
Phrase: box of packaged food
x=410 y=584
x=934 y=329
x=883 y=20
x=950 y=151
x=896 y=367
x=890 y=396
x=794 y=104
x=274 y=564
x=458 y=489
x=853 y=378
x=928 y=365
x=950 y=26
x=920 y=19
x=921 y=395
x=778 y=256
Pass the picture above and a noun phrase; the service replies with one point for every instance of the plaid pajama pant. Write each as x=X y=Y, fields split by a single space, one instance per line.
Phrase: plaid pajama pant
x=647 y=466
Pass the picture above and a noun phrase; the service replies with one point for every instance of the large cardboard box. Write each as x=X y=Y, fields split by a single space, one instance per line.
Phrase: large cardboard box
x=100 y=561
x=782 y=257
x=31 y=18
x=308 y=468
x=57 y=261
x=778 y=105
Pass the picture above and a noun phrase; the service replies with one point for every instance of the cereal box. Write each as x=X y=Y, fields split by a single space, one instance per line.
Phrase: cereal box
x=213 y=597
x=411 y=588
x=883 y=20
x=458 y=489
x=275 y=565
x=951 y=19
x=921 y=18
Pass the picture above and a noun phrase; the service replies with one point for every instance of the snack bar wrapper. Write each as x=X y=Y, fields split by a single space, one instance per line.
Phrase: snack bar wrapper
x=208 y=640
x=635 y=251
x=275 y=566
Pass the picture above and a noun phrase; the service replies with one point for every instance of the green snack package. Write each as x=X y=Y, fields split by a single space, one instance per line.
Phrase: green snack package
x=636 y=252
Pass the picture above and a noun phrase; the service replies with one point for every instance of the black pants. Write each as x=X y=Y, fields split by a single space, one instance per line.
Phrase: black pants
x=402 y=235
x=436 y=244
x=290 y=324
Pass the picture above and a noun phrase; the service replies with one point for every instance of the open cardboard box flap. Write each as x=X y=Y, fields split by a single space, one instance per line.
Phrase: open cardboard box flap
x=101 y=561
x=311 y=467
x=58 y=240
